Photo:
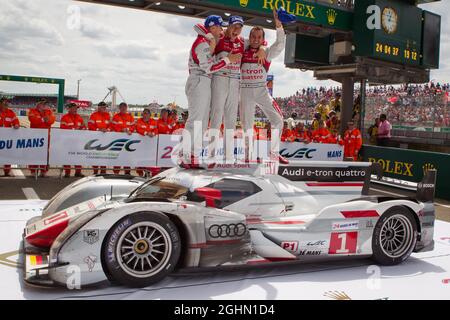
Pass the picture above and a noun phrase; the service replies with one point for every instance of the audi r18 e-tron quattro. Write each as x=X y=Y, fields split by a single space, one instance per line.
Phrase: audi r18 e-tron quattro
x=232 y=215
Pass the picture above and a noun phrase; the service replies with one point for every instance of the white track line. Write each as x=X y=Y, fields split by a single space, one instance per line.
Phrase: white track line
x=30 y=194
x=402 y=195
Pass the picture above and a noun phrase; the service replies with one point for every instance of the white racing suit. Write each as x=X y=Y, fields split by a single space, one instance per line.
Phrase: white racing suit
x=225 y=95
x=198 y=91
x=254 y=92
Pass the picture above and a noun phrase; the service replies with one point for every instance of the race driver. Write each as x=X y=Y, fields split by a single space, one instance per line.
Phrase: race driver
x=254 y=88
x=198 y=88
x=225 y=85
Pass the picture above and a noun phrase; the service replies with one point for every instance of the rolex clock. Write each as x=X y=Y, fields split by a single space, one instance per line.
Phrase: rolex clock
x=389 y=20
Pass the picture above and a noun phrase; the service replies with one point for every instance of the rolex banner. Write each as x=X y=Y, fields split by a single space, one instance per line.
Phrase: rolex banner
x=23 y=146
x=94 y=148
x=410 y=165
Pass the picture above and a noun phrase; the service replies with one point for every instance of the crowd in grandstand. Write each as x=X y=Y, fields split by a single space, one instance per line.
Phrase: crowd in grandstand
x=407 y=105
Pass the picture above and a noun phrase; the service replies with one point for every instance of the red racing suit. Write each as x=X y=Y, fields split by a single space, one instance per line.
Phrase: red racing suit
x=198 y=91
x=225 y=90
x=254 y=90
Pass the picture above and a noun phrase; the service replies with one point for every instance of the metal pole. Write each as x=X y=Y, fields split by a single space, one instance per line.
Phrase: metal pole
x=347 y=103
x=78 y=89
x=363 y=105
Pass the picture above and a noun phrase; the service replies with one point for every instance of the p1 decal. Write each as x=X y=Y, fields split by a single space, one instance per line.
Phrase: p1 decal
x=343 y=243
x=291 y=246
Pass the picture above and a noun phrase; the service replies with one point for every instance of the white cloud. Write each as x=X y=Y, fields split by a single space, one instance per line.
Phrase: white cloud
x=96 y=30
x=129 y=49
x=19 y=24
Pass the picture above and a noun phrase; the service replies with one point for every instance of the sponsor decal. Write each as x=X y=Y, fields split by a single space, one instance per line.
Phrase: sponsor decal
x=122 y=226
x=301 y=153
x=343 y=243
x=320 y=245
x=313 y=247
x=38 y=260
x=90 y=261
x=116 y=145
x=326 y=174
x=227 y=230
x=369 y=224
x=91 y=236
x=55 y=218
x=22 y=144
x=446 y=281
x=310 y=253
x=395 y=167
x=343 y=226
x=334 y=154
x=291 y=246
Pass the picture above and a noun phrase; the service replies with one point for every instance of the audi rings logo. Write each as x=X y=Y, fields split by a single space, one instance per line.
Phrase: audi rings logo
x=227 y=230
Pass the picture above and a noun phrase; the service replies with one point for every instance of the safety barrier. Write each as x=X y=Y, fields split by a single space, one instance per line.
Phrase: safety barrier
x=409 y=165
x=57 y=147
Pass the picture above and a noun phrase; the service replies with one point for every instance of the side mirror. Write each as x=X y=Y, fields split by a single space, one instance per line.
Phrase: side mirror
x=210 y=195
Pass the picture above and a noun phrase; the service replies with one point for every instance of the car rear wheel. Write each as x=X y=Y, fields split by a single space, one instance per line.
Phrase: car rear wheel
x=395 y=236
x=141 y=249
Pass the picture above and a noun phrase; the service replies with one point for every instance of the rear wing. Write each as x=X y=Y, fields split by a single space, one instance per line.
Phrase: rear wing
x=375 y=168
x=427 y=187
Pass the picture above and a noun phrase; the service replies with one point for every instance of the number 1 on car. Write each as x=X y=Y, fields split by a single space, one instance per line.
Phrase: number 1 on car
x=343 y=242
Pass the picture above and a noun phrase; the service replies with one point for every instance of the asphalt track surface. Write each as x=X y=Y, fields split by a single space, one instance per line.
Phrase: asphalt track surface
x=22 y=186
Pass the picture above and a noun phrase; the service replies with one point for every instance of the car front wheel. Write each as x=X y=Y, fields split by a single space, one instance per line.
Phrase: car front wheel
x=141 y=249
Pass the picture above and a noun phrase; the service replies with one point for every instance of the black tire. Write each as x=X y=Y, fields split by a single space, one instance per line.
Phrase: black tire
x=385 y=239
x=156 y=252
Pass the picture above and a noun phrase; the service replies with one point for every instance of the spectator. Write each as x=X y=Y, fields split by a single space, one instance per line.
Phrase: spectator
x=384 y=131
x=41 y=117
x=291 y=121
x=301 y=134
x=8 y=119
x=164 y=123
x=373 y=131
x=336 y=103
x=322 y=134
x=72 y=121
x=323 y=109
x=352 y=141
x=316 y=120
x=123 y=121
x=100 y=121
x=287 y=134
x=333 y=123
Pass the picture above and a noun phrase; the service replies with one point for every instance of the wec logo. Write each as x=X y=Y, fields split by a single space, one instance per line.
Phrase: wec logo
x=298 y=154
x=116 y=145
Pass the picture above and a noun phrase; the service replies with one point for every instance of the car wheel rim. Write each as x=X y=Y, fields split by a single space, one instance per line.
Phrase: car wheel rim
x=144 y=249
x=396 y=236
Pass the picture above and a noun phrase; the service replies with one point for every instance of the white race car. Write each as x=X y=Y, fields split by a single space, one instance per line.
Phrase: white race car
x=96 y=230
